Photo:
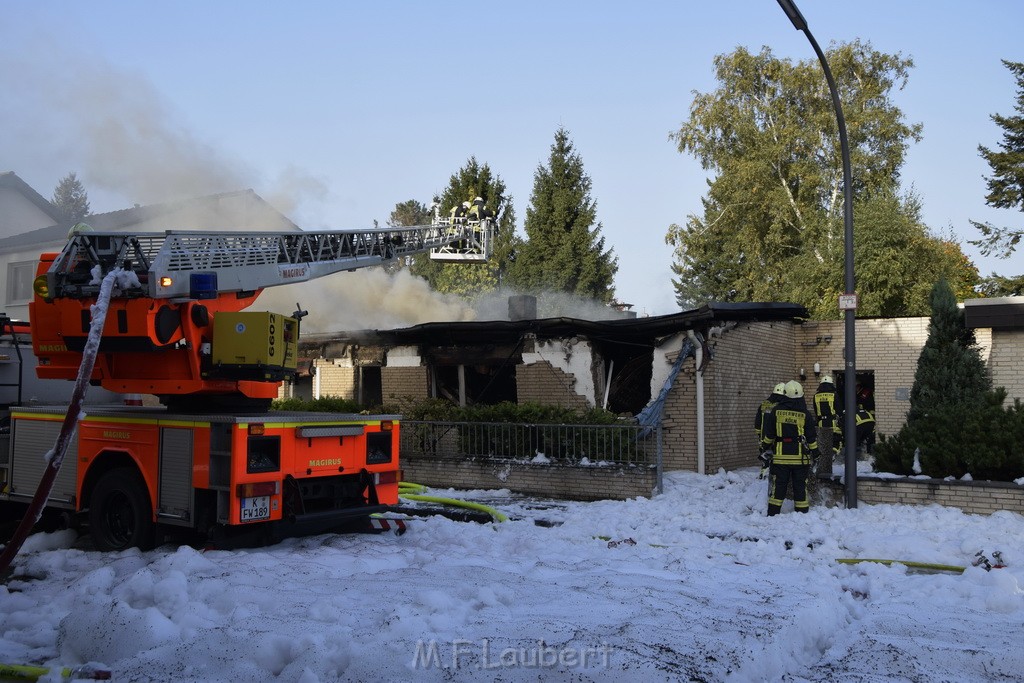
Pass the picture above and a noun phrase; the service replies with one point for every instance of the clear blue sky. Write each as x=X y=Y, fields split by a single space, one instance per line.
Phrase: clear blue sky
x=336 y=111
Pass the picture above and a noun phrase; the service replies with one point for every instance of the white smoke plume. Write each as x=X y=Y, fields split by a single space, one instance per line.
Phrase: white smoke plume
x=374 y=299
x=369 y=299
x=494 y=306
x=122 y=137
x=127 y=143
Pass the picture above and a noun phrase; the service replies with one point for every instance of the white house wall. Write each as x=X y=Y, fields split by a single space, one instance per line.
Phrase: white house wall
x=18 y=214
x=662 y=366
x=574 y=357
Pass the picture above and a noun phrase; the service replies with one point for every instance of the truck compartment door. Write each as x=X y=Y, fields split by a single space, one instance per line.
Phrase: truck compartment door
x=32 y=440
x=175 y=497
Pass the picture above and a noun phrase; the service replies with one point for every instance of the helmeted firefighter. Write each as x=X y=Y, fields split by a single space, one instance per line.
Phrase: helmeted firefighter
x=790 y=437
x=778 y=393
x=828 y=412
x=476 y=210
x=865 y=425
x=458 y=212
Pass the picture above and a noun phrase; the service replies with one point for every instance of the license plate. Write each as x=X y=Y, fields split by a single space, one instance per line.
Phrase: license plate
x=256 y=508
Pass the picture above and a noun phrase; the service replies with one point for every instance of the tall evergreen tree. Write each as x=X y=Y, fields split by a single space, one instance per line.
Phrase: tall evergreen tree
x=956 y=424
x=950 y=369
x=70 y=197
x=1006 y=186
x=771 y=228
x=472 y=279
x=564 y=251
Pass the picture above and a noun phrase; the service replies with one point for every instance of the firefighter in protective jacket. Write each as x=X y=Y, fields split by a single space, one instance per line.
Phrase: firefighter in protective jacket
x=778 y=393
x=791 y=438
x=828 y=409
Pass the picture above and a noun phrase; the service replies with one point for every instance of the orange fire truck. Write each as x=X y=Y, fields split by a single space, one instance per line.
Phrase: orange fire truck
x=212 y=458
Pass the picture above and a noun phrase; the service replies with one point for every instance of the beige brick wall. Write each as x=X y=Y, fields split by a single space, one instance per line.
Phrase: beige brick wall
x=541 y=382
x=1007 y=363
x=749 y=359
x=404 y=382
x=336 y=378
x=889 y=347
x=679 y=420
x=973 y=497
x=548 y=480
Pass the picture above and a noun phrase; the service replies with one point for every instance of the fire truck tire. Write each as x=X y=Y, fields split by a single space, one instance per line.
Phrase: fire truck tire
x=120 y=514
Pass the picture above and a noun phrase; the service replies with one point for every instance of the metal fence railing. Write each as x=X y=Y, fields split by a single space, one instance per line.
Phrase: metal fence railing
x=593 y=445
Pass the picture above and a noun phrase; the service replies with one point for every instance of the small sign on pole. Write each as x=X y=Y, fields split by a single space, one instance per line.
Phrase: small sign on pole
x=847 y=302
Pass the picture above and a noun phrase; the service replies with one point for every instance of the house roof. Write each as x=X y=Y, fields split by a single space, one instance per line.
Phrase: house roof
x=642 y=331
x=999 y=313
x=114 y=221
x=10 y=179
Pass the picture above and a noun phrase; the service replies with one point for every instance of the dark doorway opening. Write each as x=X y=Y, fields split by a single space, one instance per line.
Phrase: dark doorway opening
x=865 y=388
x=371 y=391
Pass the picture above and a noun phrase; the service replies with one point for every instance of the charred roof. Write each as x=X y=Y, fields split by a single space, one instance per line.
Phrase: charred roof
x=642 y=331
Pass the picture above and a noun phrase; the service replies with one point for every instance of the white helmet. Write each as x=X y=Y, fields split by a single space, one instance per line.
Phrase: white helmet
x=827 y=379
x=478 y=199
x=794 y=389
x=779 y=389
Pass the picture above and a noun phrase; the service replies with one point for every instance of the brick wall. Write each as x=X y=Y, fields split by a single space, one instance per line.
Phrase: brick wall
x=748 y=360
x=679 y=420
x=548 y=480
x=1007 y=363
x=977 y=497
x=335 y=377
x=889 y=347
x=402 y=382
x=541 y=382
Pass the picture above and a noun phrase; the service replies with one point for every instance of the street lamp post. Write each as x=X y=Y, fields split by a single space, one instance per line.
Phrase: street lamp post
x=848 y=302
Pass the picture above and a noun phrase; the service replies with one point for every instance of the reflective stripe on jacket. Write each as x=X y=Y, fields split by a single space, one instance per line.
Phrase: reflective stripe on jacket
x=825 y=406
x=789 y=433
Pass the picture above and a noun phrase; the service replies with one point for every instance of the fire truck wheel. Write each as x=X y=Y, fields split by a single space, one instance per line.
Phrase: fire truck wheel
x=120 y=515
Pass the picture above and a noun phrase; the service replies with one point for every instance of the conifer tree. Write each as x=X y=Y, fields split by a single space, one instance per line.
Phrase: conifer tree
x=957 y=424
x=1006 y=186
x=564 y=251
x=408 y=213
x=70 y=197
x=950 y=369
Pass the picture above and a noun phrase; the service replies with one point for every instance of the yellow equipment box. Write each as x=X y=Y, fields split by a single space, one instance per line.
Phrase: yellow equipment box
x=257 y=340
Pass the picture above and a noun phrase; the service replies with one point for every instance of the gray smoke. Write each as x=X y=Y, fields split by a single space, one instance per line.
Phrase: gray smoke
x=369 y=299
x=124 y=139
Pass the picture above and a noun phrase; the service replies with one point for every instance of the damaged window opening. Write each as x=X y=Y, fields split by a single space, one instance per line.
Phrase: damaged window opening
x=482 y=384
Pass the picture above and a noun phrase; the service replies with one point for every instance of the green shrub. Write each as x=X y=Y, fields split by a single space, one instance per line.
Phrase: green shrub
x=326 y=404
x=984 y=440
x=523 y=431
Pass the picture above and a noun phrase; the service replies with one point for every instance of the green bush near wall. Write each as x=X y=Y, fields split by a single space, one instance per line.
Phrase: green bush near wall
x=985 y=441
x=525 y=429
x=440 y=409
x=327 y=404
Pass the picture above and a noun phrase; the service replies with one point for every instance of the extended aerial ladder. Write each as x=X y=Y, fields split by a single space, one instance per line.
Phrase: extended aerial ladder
x=176 y=328
x=215 y=461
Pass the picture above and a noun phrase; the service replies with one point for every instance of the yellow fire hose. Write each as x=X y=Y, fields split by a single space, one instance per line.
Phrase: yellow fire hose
x=907 y=563
x=405 y=491
x=19 y=672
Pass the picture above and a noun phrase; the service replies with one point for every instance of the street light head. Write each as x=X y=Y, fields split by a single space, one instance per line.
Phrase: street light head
x=799 y=23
